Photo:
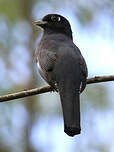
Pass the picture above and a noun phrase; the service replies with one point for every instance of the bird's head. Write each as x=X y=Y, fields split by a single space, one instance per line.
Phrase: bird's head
x=54 y=23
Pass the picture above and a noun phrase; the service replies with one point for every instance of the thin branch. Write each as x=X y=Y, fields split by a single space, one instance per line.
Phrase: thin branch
x=36 y=91
x=98 y=79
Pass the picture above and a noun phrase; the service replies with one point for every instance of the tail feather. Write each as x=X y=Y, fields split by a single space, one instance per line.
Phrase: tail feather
x=71 y=112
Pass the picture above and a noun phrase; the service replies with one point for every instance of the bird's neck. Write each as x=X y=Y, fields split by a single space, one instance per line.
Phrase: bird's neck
x=66 y=33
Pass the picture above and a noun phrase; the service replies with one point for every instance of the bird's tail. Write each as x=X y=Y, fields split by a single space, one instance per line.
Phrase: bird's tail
x=71 y=111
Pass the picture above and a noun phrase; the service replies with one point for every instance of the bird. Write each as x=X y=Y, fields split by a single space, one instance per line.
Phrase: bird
x=63 y=67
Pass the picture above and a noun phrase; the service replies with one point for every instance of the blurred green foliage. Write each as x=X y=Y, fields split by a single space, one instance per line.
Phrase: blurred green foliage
x=10 y=9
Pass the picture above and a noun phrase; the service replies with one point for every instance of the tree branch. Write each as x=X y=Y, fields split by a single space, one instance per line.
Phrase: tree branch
x=36 y=91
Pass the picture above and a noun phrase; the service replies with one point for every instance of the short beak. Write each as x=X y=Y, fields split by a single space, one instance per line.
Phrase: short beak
x=39 y=23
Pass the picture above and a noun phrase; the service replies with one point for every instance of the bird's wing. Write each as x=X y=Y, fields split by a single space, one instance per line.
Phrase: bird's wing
x=47 y=60
x=83 y=69
x=84 y=74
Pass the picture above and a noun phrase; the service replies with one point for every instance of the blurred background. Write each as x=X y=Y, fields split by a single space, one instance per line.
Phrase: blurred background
x=35 y=124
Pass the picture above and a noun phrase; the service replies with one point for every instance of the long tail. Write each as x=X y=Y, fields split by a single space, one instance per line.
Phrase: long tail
x=71 y=111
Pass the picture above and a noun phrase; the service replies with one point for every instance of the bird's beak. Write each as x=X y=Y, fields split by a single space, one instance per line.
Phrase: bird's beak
x=39 y=23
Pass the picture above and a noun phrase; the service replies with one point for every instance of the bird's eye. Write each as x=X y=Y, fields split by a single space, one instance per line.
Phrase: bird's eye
x=54 y=18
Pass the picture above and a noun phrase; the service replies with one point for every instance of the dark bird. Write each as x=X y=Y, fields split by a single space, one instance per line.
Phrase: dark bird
x=63 y=67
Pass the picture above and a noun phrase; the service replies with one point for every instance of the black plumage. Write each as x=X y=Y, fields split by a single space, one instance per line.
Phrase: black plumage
x=63 y=67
